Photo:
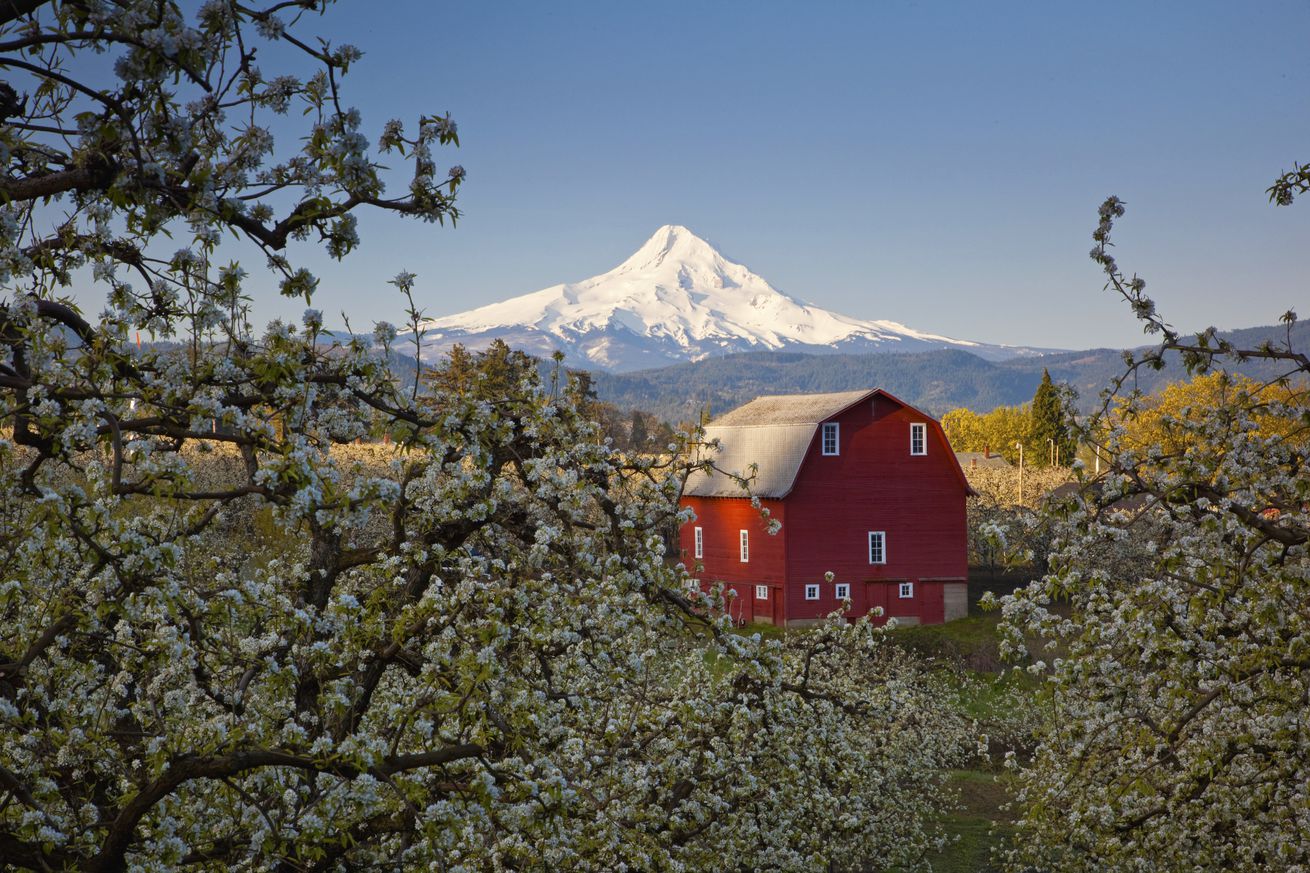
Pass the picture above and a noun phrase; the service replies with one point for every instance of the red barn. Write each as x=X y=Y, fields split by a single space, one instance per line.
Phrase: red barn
x=864 y=485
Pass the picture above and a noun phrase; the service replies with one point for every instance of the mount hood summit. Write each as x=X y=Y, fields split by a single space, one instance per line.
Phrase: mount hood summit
x=675 y=300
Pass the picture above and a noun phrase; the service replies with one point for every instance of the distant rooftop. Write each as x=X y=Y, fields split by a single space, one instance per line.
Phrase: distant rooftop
x=974 y=460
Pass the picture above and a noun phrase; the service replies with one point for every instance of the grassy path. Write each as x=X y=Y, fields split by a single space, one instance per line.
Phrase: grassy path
x=981 y=824
x=967 y=650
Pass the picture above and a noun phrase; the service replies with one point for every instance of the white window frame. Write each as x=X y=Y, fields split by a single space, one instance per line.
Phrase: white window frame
x=699 y=535
x=745 y=540
x=843 y=591
x=691 y=584
x=834 y=429
x=919 y=437
x=761 y=592
x=879 y=536
x=906 y=590
x=812 y=591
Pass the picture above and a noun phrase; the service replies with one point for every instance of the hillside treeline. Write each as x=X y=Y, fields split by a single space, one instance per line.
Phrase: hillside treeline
x=936 y=382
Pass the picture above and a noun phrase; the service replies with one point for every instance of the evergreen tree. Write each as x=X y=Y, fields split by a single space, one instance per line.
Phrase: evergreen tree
x=1050 y=434
x=637 y=433
x=491 y=375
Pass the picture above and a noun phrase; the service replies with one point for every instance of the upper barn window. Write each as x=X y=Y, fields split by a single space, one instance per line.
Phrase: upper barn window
x=831 y=443
x=877 y=547
x=918 y=438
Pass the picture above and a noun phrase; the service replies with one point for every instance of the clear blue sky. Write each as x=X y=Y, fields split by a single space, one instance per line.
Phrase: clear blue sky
x=935 y=164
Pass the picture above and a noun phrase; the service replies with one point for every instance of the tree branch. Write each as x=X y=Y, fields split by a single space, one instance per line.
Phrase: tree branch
x=12 y=10
x=187 y=768
x=51 y=184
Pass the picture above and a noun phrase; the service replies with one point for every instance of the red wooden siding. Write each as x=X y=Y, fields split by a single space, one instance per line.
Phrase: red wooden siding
x=722 y=519
x=873 y=484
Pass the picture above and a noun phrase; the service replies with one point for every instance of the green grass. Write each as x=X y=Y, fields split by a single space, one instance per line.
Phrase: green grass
x=978 y=827
x=991 y=698
x=766 y=631
x=990 y=694
x=973 y=641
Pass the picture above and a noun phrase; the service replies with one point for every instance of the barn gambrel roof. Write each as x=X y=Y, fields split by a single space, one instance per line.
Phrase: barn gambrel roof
x=790 y=409
x=774 y=433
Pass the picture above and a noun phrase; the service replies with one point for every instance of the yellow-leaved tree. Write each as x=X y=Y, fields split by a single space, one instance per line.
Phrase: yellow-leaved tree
x=1161 y=421
x=999 y=431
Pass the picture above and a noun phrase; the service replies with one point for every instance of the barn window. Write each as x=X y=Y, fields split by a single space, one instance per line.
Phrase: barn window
x=918 y=438
x=907 y=589
x=700 y=543
x=761 y=592
x=811 y=592
x=745 y=546
x=691 y=584
x=843 y=591
x=831 y=443
x=877 y=547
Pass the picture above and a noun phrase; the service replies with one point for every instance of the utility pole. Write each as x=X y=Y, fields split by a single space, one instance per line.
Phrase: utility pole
x=1019 y=446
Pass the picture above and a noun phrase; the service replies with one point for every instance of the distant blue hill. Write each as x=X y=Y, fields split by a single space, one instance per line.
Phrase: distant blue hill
x=935 y=381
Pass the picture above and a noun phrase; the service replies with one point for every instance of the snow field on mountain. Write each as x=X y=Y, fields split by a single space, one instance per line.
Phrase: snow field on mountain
x=676 y=299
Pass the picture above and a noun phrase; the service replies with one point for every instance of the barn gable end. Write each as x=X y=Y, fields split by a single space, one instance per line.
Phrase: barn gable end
x=836 y=470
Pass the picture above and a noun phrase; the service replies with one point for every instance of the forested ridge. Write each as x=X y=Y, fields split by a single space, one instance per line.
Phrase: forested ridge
x=934 y=381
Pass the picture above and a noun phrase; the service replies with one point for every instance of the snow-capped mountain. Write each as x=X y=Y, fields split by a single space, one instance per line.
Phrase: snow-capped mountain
x=675 y=300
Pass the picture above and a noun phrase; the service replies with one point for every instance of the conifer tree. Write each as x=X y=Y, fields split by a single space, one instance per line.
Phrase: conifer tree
x=1050 y=434
x=637 y=434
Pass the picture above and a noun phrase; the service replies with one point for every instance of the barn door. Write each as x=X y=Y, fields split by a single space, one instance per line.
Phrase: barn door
x=875 y=594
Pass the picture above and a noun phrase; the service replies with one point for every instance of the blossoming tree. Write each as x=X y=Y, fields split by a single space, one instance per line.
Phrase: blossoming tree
x=231 y=638
x=1179 y=672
